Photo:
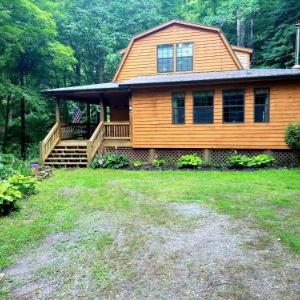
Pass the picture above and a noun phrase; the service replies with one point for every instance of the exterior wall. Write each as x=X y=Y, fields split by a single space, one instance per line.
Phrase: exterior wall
x=244 y=58
x=152 y=119
x=210 y=51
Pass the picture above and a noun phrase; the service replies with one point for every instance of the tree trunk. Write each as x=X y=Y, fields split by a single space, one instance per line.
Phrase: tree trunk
x=6 y=121
x=251 y=33
x=240 y=28
x=101 y=66
x=78 y=73
x=23 y=134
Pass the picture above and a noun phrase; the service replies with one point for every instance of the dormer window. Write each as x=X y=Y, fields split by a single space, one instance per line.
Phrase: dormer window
x=165 y=58
x=184 y=57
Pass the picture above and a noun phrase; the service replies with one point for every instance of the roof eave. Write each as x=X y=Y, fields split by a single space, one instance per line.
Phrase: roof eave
x=210 y=81
x=61 y=92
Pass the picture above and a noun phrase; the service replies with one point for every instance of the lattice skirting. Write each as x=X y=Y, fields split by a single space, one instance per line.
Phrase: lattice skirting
x=130 y=153
x=218 y=156
x=174 y=154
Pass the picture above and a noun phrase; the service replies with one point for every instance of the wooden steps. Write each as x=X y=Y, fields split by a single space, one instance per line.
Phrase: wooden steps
x=71 y=153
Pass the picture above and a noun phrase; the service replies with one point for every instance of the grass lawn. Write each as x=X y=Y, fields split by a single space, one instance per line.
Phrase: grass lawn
x=267 y=199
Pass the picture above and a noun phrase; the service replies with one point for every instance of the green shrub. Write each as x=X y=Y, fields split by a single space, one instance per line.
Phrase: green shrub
x=24 y=184
x=110 y=161
x=243 y=161
x=159 y=162
x=97 y=162
x=9 y=197
x=10 y=165
x=189 y=161
x=138 y=163
x=238 y=161
x=260 y=161
x=115 y=161
x=292 y=136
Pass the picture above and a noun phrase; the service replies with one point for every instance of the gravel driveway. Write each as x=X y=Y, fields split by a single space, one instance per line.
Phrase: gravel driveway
x=192 y=252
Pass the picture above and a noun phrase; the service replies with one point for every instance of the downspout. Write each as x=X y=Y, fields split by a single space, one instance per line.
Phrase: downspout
x=297 y=51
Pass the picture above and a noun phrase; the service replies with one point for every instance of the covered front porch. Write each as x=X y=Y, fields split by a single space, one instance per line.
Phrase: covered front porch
x=100 y=118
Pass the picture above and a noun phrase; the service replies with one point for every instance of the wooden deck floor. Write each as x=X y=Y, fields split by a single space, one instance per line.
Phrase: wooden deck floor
x=69 y=143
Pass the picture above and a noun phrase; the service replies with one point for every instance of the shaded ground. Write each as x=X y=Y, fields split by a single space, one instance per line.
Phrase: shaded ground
x=154 y=250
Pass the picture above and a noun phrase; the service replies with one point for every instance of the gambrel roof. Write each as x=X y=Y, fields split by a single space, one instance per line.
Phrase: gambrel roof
x=182 y=23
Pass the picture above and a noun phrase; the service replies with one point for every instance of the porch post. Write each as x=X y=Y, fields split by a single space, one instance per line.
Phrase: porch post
x=130 y=117
x=57 y=110
x=102 y=114
x=88 y=119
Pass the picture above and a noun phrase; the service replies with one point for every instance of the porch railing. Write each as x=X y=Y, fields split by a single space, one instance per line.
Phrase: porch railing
x=50 y=141
x=76 y=131
x=117 y=130
x=95 y=143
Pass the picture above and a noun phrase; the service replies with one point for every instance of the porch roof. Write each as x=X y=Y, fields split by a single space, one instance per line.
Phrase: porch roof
x=108 y=86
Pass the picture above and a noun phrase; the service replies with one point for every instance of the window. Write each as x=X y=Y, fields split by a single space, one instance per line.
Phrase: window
x=165 y=58
x=203 y=107
x=233 y=106
x=184 y=57
x=178 y=108
x=261 y=105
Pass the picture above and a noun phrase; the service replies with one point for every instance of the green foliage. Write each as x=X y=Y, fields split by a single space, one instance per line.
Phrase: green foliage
x=115 y=161
x=189 y=161
x=260 y=161
x=97 y=162
x=9 y=196
x=243 y=161
x=159 y=162
x=16 y=182
x=10 y=165
x=138 y=163
x=238 y=161
x=24 y=184
x=110 y=161
x=292 y=136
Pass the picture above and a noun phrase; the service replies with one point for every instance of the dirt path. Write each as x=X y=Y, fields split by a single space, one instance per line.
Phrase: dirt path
x=188 y=252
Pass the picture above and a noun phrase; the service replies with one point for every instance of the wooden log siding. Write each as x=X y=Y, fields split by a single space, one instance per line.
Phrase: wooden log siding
x=152 y=119
x=210 y=52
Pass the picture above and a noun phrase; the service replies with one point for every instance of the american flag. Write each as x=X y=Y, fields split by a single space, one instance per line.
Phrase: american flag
x=77 y=113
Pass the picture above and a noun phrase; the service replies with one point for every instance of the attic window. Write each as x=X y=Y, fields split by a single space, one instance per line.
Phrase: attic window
x=184 y=57
x=165 y=58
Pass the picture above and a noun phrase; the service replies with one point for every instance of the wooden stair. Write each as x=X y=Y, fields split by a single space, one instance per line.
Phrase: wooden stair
x=69 y=153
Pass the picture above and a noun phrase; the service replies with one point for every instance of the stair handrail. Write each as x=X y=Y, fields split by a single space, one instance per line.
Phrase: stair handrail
x=49 y=142
x=96 y=142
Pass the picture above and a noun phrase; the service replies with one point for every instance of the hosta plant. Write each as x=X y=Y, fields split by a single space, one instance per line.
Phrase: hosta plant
x=24 y=184
x=190 y=161
x=9 y=196
x=159 y=162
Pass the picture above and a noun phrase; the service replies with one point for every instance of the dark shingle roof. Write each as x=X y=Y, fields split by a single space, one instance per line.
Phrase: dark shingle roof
x=238 y=75
x=205 y=77
x=84 y=88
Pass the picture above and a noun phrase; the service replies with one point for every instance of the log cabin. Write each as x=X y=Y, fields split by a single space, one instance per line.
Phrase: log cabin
x=180 y=88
